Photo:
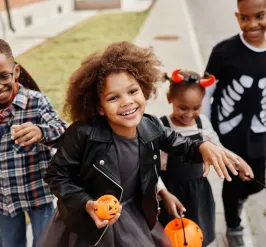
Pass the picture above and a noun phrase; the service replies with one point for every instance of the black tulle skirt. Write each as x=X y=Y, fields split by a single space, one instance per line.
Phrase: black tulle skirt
x=131 y=230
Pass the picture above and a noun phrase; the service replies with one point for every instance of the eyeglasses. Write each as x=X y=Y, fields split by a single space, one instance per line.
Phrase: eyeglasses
x=7 y=78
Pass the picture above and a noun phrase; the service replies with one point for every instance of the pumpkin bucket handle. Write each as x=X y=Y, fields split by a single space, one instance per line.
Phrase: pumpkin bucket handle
x=183 y=227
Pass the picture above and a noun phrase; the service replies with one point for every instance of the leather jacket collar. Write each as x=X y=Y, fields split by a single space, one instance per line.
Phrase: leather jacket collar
x=147 y=130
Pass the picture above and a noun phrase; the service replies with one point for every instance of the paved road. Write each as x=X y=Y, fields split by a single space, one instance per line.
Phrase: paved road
x=218 y=23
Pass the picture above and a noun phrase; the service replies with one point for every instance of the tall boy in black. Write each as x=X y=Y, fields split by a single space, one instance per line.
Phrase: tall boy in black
x=238 y=110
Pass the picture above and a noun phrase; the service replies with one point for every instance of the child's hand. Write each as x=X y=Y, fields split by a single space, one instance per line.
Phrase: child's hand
x=100 y=223
x=244 y=170
x=26 y=134
x=219 y=158
x=171 y=203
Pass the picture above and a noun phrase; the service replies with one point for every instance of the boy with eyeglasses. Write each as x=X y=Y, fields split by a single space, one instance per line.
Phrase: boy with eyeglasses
x=29 y=126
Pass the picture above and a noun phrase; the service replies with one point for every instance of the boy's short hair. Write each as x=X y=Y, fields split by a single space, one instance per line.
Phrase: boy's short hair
x=5 y=49
x=238 y=1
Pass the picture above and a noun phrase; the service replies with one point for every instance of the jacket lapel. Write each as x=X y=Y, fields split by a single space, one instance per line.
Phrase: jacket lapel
x=108 y=163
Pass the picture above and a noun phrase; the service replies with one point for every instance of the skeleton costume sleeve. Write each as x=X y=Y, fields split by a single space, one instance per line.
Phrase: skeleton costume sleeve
x=206 y=104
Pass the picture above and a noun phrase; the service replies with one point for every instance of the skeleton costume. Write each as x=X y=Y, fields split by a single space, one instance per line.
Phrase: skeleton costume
x=238 y=114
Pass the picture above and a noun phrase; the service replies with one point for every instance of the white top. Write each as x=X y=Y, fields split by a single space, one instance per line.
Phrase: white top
x=208 y=132
x=253 y=48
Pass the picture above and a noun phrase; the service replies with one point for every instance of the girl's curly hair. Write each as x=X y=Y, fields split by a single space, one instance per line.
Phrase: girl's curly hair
x=87 y=82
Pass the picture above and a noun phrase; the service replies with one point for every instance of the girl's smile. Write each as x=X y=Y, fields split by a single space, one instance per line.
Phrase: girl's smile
x=187 y=120
x=4 y=95
x=128 y=114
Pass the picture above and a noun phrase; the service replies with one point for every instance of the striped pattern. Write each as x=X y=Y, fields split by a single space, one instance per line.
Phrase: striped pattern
x=22 y=168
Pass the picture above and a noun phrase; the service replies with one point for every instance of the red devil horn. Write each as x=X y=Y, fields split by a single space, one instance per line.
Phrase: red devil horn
x=207 y=82
x=176 y=77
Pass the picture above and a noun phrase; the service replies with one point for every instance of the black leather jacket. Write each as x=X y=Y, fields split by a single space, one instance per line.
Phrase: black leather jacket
x=85 y=167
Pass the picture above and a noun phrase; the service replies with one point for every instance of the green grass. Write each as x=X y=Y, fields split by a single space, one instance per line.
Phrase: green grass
x=52 y=63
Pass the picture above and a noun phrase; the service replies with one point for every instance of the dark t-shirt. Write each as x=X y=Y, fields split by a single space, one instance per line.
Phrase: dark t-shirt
x=128 y=161
x=238 y=112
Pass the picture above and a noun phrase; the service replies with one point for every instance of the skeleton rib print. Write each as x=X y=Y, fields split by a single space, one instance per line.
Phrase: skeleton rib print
x=258 y=124
x=232 y=94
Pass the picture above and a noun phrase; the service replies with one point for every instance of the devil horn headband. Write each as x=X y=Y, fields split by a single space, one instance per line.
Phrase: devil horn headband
x=204 y=82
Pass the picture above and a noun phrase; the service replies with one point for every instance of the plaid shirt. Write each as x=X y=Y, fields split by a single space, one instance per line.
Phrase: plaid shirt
x=22 y=168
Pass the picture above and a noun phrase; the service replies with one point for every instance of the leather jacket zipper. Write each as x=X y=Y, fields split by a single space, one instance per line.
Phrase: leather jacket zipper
x=112 y=180
x=156 y=196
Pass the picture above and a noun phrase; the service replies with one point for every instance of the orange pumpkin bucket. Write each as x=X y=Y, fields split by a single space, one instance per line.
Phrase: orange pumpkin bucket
x=184 y=232
x=107 y=207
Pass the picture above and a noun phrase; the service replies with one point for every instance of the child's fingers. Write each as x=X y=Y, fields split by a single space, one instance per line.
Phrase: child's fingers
x=244 y=177
x=19 y=133
x=229 y=164
x=174 y=212
x=249 y=172
x=206 y=169
x=15 y=127
x=177 y=208
x=26 y=135
x=220 y=169
x=100 y=224
x=29 y=142
x=90 y=206
x=118 y=214
x=231 y=157
x=112 y=221
x=24 y=138
x=180 y=206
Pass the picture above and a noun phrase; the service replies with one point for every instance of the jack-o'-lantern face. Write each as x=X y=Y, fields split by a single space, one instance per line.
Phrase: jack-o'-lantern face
x=189 y=234
x=108 y=207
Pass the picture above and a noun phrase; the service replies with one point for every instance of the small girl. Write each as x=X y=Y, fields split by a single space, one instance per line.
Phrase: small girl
x=186 y=92
x=114 y=148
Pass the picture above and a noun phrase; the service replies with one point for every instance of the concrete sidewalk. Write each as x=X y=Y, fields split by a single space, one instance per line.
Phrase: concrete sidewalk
x=171 y=17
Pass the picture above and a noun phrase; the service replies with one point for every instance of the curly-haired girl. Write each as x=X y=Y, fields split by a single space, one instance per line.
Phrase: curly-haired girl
x=114 y=148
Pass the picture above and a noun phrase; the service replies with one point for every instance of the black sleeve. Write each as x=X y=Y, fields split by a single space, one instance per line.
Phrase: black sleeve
x=63 y=168
x=178 y=145
x=215 y=61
